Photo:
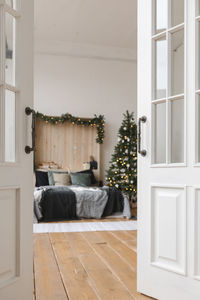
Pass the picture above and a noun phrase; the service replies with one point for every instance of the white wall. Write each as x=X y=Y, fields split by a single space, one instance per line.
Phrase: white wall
x=84 y=87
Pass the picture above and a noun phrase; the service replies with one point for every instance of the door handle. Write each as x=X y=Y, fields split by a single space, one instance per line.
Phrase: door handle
x=28 y=112
x=143 y=152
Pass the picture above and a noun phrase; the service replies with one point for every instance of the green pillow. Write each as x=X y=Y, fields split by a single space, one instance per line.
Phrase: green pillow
x=50 y=176
x=80 y=179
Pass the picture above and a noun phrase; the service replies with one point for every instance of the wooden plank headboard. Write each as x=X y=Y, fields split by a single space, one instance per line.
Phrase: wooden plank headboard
x=67 y=145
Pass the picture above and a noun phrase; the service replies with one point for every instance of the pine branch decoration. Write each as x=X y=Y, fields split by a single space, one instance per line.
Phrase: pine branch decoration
x=97 y=121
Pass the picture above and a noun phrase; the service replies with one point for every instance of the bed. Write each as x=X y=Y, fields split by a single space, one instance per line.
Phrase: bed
x=58 y=202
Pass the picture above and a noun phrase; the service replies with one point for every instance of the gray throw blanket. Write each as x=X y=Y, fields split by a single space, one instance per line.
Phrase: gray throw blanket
x=90 y=202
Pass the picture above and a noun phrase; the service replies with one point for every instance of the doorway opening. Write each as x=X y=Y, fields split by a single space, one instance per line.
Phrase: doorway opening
x=85 y=67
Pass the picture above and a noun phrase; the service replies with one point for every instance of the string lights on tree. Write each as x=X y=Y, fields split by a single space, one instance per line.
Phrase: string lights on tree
x=122 y=173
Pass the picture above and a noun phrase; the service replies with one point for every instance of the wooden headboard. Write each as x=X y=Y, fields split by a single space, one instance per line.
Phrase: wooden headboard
x=67 y=145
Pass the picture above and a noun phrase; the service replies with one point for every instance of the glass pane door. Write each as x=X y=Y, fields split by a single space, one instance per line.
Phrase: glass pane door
x=168 y=104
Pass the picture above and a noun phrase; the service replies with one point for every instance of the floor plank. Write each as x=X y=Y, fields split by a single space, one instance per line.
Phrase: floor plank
x=121 y=269
x=108 y=286
x=127 y=237
x=86 y=266
x=72 y=271
x=48 y=283
x=123 y=250
x=106 y=283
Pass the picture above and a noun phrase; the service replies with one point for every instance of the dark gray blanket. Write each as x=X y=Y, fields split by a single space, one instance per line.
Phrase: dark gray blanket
x=58 y=204
x=115 y=202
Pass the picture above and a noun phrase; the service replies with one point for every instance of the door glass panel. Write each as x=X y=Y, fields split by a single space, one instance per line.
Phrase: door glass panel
x=160 y=133
x=177 y=131
x=198 y=8
x=11 y=3
x=177 y=63
x=10 y=49
x=161 y=68
x=198 y=59
x=161 y=15
x=10 y=126
x=177 y=12
x=198 y=128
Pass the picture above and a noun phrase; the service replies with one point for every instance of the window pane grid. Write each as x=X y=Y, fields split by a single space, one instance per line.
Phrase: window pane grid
x=173 y=99
x=160 y=50
x=178 y=46
x=168 y=14
x=197 y=86
x=197 y=127
x=10 y=49
x=159 y=112
x=177 y=62
x=8 y=88
x=197 y=8
x=197 y=55
x=11 y=6
x=10 y=127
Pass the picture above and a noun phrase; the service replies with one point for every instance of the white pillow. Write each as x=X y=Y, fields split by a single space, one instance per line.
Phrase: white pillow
x=61 y=178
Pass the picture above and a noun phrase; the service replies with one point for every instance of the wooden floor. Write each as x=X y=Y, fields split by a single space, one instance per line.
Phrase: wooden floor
x=88 y=265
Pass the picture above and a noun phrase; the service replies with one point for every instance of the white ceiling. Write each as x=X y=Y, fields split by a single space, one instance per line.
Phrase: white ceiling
x=110 y=23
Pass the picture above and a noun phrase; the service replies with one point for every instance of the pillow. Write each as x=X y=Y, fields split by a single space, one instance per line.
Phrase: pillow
x=93 y=179
x=41 y=178
x=80 y=179
x=61 y=178
x=51 y=176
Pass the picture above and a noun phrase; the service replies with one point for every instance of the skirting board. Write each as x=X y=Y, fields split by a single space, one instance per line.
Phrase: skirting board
x=83 y=227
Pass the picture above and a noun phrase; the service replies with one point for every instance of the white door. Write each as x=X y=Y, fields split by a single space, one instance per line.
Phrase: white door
x=169 y=174
x=16 y=167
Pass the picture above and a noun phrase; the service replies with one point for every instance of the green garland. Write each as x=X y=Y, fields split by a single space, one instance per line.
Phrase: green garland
x=97 y=121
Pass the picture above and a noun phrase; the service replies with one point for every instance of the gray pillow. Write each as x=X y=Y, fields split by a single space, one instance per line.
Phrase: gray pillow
x=80 y=179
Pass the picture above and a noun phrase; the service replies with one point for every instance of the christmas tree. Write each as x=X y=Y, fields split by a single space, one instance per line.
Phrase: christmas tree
x=122 y=173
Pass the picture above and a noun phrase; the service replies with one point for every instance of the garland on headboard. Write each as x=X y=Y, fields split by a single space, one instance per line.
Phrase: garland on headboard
x=97 y=121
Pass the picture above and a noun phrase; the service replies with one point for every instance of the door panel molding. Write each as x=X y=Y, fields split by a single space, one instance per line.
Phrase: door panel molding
x=196 y=233
x=9 y=235
x=168 y=227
